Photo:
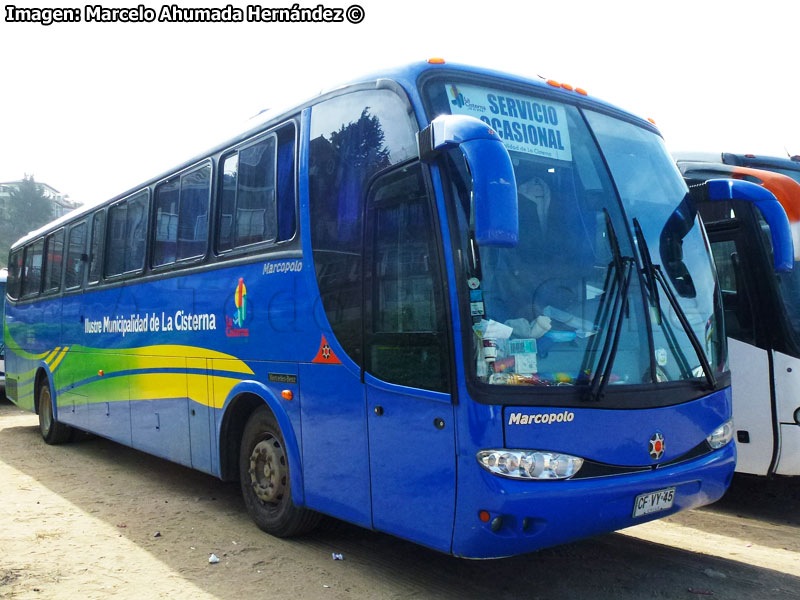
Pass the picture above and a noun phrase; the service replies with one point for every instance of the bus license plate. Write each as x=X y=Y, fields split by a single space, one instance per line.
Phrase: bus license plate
x=651 y=502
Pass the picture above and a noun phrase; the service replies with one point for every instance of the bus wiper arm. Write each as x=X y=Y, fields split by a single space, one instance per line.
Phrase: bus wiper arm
x=654 y=277
x=679 y=312
x=602 y=374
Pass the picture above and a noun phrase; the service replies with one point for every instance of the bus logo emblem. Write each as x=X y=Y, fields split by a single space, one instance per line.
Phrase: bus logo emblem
x=656 y=446
x=234 y=327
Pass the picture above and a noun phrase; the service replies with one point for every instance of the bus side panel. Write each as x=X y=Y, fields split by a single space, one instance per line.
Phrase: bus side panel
x=202 y=438
x=787 y=396
x=160 y=414
x=752 y=406
x=335 y=445
x=26 y=350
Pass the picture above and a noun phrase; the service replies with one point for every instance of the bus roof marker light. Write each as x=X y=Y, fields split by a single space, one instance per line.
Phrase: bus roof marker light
x=567 y=86
x=435 y=61
x=553 y=82
x=582 y=91
x=651 y=120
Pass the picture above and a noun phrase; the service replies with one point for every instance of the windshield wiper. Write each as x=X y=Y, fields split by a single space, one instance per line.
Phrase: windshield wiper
x=655 y=276
x=623 y=267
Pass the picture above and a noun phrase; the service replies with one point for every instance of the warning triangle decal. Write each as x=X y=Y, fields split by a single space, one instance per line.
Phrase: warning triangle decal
x=325 y=354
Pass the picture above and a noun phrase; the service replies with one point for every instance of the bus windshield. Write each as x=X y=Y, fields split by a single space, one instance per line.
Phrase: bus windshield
x=569 y=300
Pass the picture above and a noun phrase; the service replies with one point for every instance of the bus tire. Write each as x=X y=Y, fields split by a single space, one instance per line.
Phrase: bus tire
x=264 y=477
x=52 y=431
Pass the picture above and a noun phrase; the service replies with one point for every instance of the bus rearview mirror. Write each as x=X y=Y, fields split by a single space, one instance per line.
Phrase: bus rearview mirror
x=494 y=188
x=767 y=204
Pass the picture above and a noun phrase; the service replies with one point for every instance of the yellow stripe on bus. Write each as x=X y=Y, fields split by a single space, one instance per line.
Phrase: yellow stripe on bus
x=52 y=355
x=57 y=361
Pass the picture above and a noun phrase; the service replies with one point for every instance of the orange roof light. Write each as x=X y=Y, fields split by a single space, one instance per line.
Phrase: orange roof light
x=553 y=82
x=435 y=61
x=651 y=120
x=581 y=91
x=566 y=86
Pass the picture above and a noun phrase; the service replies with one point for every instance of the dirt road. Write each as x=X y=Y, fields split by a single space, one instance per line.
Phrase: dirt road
x=93 y=519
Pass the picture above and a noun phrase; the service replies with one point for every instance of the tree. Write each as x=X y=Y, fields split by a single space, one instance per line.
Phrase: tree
x=27 y=209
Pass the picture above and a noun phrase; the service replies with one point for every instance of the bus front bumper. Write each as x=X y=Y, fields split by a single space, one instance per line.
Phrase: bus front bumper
x=529 y=515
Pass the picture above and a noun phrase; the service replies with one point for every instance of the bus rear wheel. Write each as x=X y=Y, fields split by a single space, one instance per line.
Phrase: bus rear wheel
x=264 y=477
x=52 y=431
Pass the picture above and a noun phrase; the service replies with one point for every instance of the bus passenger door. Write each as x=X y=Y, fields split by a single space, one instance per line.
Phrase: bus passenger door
x=409 y=407
x=749 y=360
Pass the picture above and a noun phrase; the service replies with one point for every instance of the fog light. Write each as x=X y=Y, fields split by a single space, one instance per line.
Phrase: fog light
x=721 y=435
x=529 y=464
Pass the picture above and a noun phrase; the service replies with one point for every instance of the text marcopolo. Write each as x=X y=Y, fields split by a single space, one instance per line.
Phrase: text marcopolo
x=517 y=418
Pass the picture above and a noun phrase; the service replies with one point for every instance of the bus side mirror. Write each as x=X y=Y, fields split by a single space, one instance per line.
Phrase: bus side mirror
x=768 y=205
x=494 y=188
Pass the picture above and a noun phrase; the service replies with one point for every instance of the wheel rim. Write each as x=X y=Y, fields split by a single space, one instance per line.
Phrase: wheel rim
x=45 y=411
x=268 y=470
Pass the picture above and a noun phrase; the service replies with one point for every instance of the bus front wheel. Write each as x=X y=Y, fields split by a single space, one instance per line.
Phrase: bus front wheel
x=52 y=431
x=264 y=477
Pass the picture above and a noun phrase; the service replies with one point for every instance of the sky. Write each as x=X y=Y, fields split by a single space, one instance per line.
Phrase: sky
x=93 y=109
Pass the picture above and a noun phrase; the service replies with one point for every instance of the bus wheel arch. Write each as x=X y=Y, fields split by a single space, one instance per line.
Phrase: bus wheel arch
x=52 y=431
x=243 y=401
x=234 y=420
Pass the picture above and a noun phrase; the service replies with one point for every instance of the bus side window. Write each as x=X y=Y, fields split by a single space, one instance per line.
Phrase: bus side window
x=14 y=274
x=248 y=206
x=406 y=337
x=32 y=271
x=96 y=251
x=193 y=213
x=53 y=264
x=352 y=138
x=738 y=312
x=127 y=229
x=76 y=248
x=166 y=226
x=287 y=214
x=181 y=217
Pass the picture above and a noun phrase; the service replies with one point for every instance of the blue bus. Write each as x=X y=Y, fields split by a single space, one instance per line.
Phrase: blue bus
x=470 y=309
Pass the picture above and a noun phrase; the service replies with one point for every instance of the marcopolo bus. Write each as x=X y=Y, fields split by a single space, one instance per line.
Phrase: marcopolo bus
x=466 y=308
x=761 y=300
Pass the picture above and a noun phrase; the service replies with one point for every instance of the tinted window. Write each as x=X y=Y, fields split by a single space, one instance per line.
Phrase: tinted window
x=127 y=228
x=14 y=273
x=32 y=272
x=96 y=256
x=76 y=248
x=735 y=302
x=55 y=254
x=407 y=341
x=352 y=137
x=248 y=200
x=166 y=233
x=181 y=217
x=193 y=213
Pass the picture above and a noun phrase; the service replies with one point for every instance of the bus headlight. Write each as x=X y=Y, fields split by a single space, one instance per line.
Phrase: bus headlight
x=721 y=435
x=529 y=464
